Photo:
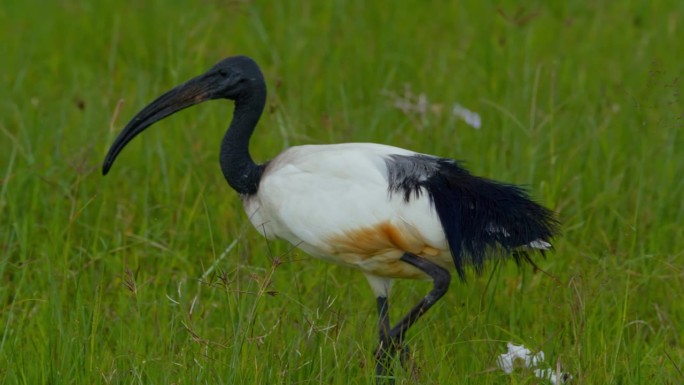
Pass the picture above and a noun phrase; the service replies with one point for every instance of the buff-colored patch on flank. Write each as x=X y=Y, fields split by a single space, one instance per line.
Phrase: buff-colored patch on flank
x=377 y=249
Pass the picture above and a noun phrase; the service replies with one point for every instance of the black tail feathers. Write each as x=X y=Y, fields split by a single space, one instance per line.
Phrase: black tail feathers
x=481 y=217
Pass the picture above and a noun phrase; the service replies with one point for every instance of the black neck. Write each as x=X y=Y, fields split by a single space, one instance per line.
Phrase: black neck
x=238 y=168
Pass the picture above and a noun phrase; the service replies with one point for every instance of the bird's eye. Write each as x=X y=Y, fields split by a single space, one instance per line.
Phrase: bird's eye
x=223 y=72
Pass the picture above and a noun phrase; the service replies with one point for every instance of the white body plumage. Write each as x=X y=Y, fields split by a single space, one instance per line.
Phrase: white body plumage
x=333 y=202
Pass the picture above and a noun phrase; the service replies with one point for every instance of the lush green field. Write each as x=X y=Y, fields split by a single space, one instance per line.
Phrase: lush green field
x=154 y=275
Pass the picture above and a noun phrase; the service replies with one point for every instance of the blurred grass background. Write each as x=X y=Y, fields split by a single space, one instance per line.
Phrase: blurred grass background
x=154 y=275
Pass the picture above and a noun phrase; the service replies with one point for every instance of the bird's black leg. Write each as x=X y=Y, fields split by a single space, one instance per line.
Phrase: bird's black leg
x=383 y=357
x=392 y=340
x=441 y=279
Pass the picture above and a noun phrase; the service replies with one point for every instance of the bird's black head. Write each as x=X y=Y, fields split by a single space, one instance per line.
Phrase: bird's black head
x=233 y=78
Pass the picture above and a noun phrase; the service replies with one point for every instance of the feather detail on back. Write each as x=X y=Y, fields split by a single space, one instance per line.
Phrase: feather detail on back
x=479 y=216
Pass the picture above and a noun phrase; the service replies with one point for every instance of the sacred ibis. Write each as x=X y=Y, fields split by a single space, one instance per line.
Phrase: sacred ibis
x=386 y=211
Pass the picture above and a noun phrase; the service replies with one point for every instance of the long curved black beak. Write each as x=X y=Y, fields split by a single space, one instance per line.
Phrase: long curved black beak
x=185 y=95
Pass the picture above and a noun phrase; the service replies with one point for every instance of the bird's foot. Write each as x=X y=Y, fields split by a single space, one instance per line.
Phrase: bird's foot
x=409 y=363
x=384 y=356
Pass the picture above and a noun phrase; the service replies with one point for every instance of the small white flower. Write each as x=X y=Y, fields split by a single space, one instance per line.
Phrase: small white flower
x=518 y=353
x=470 y=117
x=551 y=375
x=520 y=356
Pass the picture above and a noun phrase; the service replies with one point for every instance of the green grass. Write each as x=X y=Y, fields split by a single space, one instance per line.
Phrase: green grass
x=154 y=275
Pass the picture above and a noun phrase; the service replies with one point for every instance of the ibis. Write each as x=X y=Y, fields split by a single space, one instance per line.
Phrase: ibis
x=389 y=212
